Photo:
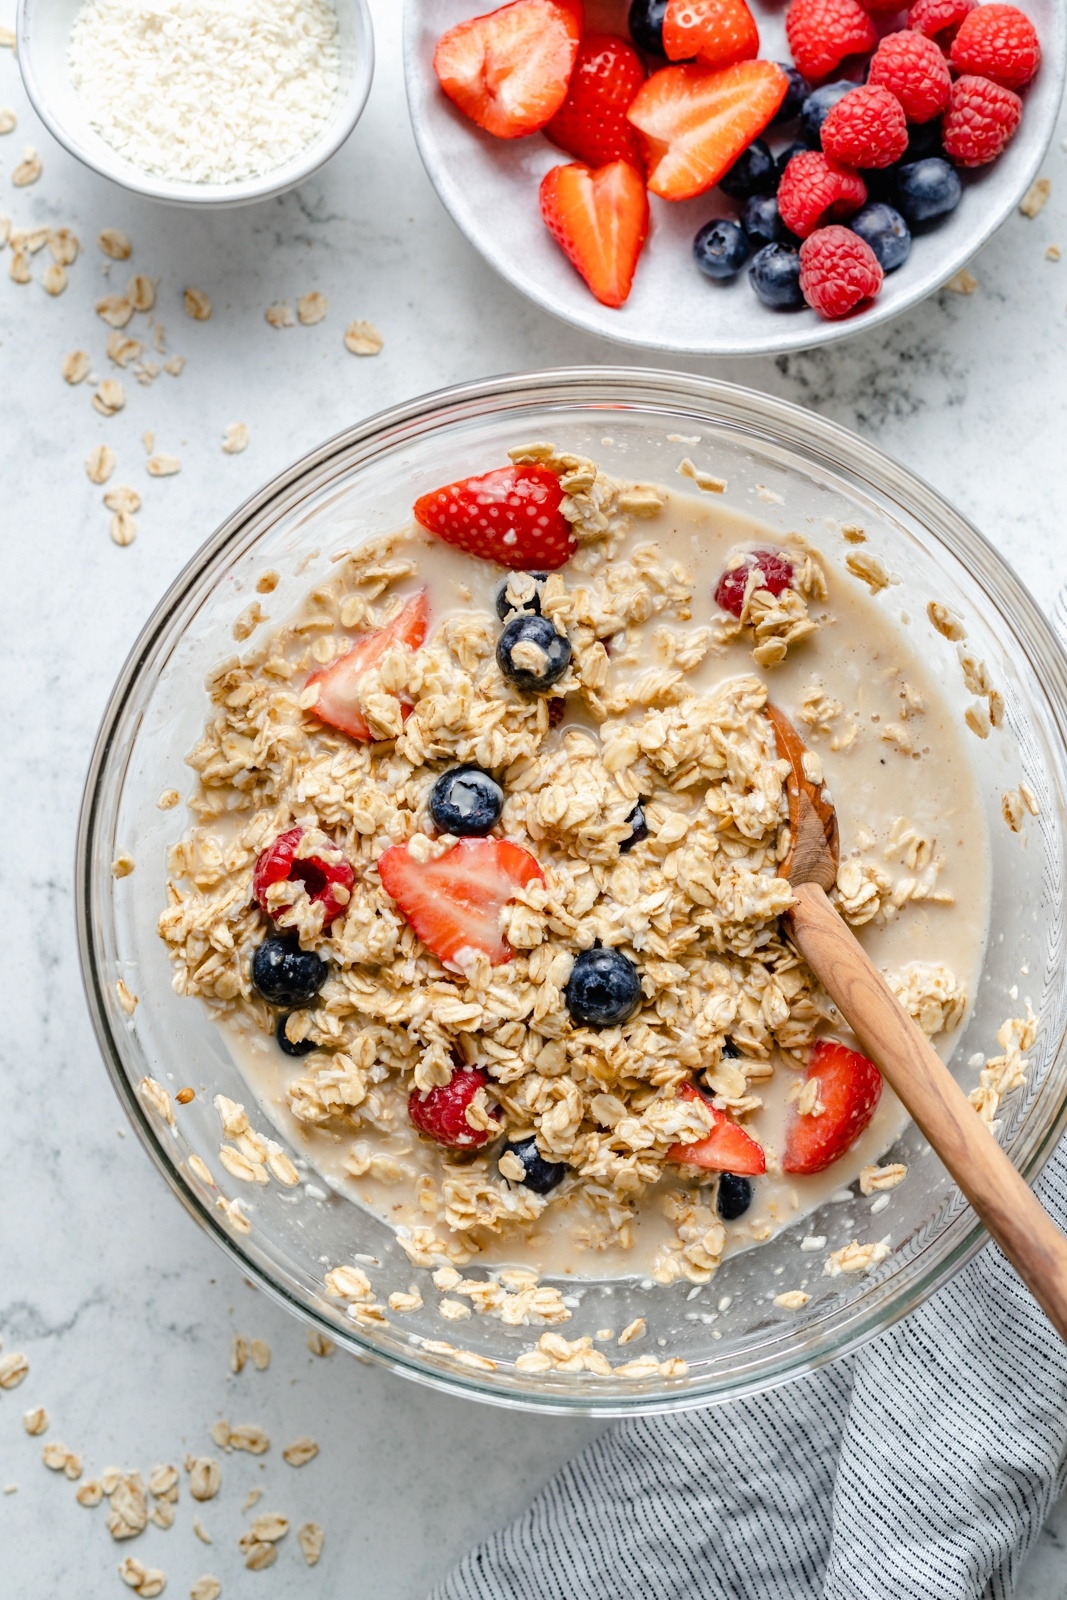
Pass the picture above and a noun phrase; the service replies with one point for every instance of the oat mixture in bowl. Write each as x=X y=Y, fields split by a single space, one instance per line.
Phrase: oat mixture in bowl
x=482 y=1013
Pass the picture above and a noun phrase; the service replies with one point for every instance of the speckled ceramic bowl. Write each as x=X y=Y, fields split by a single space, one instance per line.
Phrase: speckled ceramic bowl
x=732 y=1336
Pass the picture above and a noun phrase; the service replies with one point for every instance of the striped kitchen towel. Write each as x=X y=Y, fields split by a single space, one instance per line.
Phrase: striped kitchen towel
x=921 y=1468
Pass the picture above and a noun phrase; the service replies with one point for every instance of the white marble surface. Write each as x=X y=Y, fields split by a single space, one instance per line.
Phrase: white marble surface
x=124 y=1310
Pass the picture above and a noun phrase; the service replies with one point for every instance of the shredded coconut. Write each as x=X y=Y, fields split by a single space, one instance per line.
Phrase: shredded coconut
x=203 y=91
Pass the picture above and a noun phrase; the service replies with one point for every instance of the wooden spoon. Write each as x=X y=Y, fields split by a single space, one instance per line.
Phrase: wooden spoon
x=1024 y=1231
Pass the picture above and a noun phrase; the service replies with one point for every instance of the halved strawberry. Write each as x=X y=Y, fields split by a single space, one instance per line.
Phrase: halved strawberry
x=849 y=1089
x=718 y=32
x=338 y=684
x=600 y=221
x=696 y=121
x=455 y=903
x=727 y=1148
x=510 y=516
x=509 y=70
x=591 y=123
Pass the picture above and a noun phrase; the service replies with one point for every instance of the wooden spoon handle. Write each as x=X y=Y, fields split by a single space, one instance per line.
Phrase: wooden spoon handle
x=1022 y=1228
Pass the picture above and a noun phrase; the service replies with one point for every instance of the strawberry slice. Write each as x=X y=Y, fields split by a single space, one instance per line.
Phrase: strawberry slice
x=511 y=516
x=719 y=32
x=455 y=903
x=600 y=221
x=849 y=1088
x=591 y=123
x=727 y=1148
x=509 y=70
x=696 y=121
x=338 y=684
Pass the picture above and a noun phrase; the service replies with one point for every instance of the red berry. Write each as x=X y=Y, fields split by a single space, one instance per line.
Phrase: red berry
x=867 y=128
x=998 y=42
x=727 y=1148
x=777 y=574
x=913 y=69
x=338 y=700
x=599 y=219
x=697 y=120
x=509 y=70
x=980 y=120
x=441 y=1113
x=591 y=123
x=455 y=902
x=822 y=33
x=814 y=189
x=717 y=32
x=850 y=1087
x=838 y=271
x=510 y=516
x=328 y=883
x=939 y=19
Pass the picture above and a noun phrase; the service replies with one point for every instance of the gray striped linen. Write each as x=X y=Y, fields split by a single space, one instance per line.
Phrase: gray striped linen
x=921 y=1468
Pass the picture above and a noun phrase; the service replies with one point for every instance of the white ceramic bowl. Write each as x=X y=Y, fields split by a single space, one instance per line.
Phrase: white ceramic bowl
x=43 y=28
x=490 y=187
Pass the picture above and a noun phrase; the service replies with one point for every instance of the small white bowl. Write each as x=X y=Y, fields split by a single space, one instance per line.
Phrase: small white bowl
x=43 y=28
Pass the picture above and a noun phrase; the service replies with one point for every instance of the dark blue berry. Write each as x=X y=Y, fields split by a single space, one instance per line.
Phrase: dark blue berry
x=924 y=139
x=504 y=607
x=604 y=989
x=466 y=801
x=303 y=1047
x=554 y=658
x=638 y=828
x=751 y=173
x=786 y=157
x=285 y=975
x=721 y=248
x=646 y=24
x=734 y=1196
x=730 y=1050
x=927 y=189
x=886 y=232
x=795 y=96
x=541 y=1176
x=762 y=221
x=775 y=276
x=817 y=107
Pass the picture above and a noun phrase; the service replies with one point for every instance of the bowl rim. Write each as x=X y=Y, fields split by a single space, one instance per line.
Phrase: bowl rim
x=780 y=340
x=180 y=191
x=822 y=440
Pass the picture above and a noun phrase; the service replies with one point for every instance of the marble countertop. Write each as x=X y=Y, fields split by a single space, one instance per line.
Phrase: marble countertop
x=123 y=1308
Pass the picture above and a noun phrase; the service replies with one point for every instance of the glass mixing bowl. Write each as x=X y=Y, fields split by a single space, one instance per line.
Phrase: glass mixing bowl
x=732 y=1336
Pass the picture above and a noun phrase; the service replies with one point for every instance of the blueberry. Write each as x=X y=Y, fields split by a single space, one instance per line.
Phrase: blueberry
x=762 y=222
x=795 y=96
x=734 y=1196
x=285 y=975
x=786 y=157
x=751 y=173
x=886 y=232
x=775 y=276
x=303 y=1047
x=721 y=248
x=817 y=107
x=638 y=826
x=646 y=24
x=924 y=139
x=540 y=1175
x=504 y=607
x=545 y=663
x=730 y=1050
x=466 y=801
x=604 y=989
x=926 y=189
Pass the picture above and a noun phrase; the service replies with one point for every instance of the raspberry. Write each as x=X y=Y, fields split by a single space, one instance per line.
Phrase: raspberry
x=441 y=1113
x=867 y=128
x=912 y=67
x=815 y=187
x=777 y=575
x=838 y=271
x=980 y=120
x=822 y=33
x=1000 y=43
x=328 y=883
x=939 y=19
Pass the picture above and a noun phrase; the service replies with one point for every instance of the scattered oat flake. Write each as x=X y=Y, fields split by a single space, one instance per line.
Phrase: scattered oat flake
x=109 y=397
x=175 y=366
x=279 y=315
x=252 y=1498
x=238 y=1353
x=1035 y=198
x=153 y=1094
x=1053 y=253
x=268 y=1527
x=13 y=1368
x=141 y=292
x=319 y=1343
x=201 y=1532
x=123 y=529
x=247 y=1437
x=792 y=1299
x=205 y=1477
x=869 y=570
x=946 y=623
x=100 y=462
x=363 y=339
x=703 y=480
x=856 y=1257
x=114 y=243
x=63 y=246
x=7 y=38
x=300 y=1452
x=259 y=1350
x=19 y=270
x=234 y=1213
x=90 y=1493
x=311 y=308
x=311 y=1538
x=75 y=369
x=114 y=309
x=28 y=170
x=197 y=305
x=632 y=1331
x=162 y=466
x=35 y=1421
x=57 y=1458
x=962 y=282
x=206 y=1588
x=145 y=1581
x=235 y=439
x=8 y=120
x=873 y=1180
x=122 y=498
x=54 y=279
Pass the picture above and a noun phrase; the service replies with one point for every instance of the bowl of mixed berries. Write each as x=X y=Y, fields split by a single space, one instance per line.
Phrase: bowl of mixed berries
x=717 y=177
